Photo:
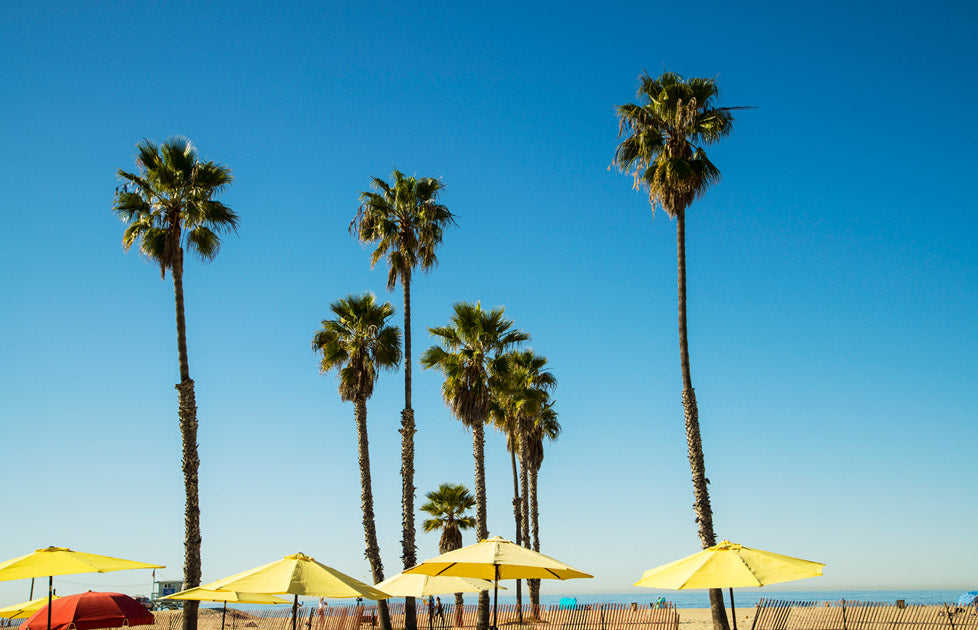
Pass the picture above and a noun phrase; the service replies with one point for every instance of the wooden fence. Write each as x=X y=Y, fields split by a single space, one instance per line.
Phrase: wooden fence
x=848 y=615
x=588 y=617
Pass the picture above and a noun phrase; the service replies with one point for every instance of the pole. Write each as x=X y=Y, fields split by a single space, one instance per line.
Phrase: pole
x=224 y=611
x=733 y=611
x=295 y=609
x=495 y=596
x=31 y=598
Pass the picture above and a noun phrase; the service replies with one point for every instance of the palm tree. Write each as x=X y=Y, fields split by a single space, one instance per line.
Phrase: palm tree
x=519 y=396
x=406 y=223
x=169 y=206
x=447 y=506
x=545 y=427
x=474 y=343
x=359 y=343
x=662 y=152
x=505 y=421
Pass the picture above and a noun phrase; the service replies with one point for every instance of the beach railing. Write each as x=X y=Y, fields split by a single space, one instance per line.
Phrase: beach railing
x=851 y=615
x=555 y=617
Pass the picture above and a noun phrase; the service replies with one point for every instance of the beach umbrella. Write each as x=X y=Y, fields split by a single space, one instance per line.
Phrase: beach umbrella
x=63 y=561
x=24 y=610
x=729 y=565
x=417 y=585
x=211 y=595
x=86 y=611
x=422 y=586
x=497 y=559
x=297 y=574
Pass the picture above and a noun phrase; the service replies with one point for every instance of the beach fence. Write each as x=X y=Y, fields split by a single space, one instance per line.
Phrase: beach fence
x=850 y=615
x=555 y=617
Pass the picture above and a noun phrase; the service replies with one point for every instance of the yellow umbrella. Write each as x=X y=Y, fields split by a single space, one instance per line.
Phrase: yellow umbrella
x=62 y=561
x=415 y=585
x=212 y=595
x=297 y=574
x=727 y=565
x=24 y=610
x=421 y=586
x=497 y=559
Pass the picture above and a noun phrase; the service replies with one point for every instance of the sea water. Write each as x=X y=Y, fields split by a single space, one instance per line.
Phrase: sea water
x=745 y=597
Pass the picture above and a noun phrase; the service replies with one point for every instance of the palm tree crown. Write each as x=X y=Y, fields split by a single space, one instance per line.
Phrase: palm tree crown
x=405 y=221
x=169 y=205
x=663 y=132
x=473 y=350
x=358 y=343
x=447 y=506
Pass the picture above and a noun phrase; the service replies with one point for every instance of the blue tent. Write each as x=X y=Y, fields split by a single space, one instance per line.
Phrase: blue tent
x=968 y=598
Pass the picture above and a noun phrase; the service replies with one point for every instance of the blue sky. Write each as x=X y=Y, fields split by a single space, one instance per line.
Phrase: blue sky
x=832 y=279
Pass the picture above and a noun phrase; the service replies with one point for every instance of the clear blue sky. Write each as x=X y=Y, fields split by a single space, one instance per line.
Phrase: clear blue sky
x=833 y=279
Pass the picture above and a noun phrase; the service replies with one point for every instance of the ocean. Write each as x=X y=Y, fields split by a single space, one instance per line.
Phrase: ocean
x=747 y=598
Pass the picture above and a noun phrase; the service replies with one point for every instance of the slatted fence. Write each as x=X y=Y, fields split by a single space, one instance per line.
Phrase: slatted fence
x=849 y=615
x=588 y=617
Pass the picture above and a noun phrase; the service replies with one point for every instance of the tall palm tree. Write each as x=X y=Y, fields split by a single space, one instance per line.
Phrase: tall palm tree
x=518 y=396
x=505 y=421
x=545 y=427
x=474 y=343
x=406 y=223
x=661 y=150
x=169 y=206
x=359 y=343
x=447 y=506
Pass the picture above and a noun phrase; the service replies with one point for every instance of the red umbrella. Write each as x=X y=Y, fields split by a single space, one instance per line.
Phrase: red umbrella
x=86 y=611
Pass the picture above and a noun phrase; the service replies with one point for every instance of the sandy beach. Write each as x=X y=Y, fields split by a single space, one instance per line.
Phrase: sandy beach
x=700 y=619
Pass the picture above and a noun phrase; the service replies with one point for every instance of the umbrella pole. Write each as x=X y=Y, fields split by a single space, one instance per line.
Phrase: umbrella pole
x=224 y=612
x=50 y=598
x=295 y=610
x=733 y=611
x=495 y=597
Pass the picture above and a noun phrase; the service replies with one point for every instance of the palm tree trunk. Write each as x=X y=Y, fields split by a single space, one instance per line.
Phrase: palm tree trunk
x=701 y=495
x=459 y=610
x=481 y=529
x=517 y=514
x=534 y=585
x=191 y=460
x=367 y=505
x=525 y=497
x=408 y=550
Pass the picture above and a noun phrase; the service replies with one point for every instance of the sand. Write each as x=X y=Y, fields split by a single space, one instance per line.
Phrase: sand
x=701 y=619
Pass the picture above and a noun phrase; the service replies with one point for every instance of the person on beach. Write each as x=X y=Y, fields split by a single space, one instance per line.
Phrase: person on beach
x=439 y=611
x=322 y=609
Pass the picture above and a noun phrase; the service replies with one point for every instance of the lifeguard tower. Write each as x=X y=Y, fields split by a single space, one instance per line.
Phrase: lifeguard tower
x=163 y=588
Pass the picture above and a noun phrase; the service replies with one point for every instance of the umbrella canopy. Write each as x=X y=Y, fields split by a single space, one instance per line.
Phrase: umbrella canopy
x=497 y=559
x=728 y=565
x=202 y=594
x=297 y=574
x=414 y=585
x=87 y=611
x=63 y=561
x=24 y=610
